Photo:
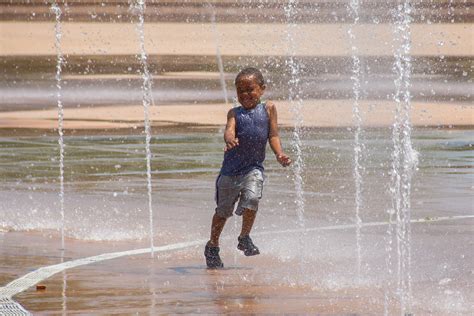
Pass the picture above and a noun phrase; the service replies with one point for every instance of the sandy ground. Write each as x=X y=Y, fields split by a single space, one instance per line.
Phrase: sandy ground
x=334 y=113
x=23 y=38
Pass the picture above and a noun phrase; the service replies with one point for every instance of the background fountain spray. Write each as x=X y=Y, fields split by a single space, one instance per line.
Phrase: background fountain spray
x=404 y=159
x=296 y=106
x=295 y=98
x=220 y=64
x=356 y=89
x=147 y=100
x=59 y=63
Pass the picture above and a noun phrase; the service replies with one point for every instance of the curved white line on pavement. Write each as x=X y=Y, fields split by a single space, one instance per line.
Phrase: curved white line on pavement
x=28 y=280
x=21 y=284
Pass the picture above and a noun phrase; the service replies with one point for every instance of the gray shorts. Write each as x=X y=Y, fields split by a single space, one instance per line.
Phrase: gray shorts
x=247 y=189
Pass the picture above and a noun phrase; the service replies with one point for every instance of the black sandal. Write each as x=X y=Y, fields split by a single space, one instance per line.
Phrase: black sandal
x=213 y=260
x=247 y=246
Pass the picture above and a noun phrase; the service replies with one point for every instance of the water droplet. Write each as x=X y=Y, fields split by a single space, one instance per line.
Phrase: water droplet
x=444 y=281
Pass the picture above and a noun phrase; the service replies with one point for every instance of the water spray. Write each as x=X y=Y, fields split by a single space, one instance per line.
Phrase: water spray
x=404 y=162
x=356 y=89
x=147 y=101
x=59 y=64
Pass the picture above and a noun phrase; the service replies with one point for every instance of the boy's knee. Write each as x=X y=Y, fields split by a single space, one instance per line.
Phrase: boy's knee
x=249 y=212
x=249 y=204
x=252 y=203
x=219 y=216
x=224 y=213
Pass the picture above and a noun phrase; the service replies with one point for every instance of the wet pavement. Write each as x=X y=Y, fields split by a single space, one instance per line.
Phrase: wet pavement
x=312 y=272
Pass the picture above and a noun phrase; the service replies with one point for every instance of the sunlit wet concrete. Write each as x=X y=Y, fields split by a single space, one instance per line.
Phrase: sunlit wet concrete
x=310 y=273
x=321 y=283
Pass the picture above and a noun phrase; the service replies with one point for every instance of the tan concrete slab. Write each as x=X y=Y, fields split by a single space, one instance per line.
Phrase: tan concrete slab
x=315 y=113
x=23 y=38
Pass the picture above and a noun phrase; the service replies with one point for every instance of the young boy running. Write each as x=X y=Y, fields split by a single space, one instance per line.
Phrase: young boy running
x=248 y=129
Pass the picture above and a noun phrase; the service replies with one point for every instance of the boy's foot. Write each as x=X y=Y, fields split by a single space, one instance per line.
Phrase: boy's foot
x=247 y=246
x=213 y=260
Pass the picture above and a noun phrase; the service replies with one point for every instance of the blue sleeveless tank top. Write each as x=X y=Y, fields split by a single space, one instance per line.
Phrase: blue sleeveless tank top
x=252 y=128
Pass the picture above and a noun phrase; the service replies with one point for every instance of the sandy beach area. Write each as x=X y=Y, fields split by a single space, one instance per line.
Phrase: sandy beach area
x=315 y=113
x=234 y=39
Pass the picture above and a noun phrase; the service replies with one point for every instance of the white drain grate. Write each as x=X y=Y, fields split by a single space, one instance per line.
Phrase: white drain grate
x=9 y=307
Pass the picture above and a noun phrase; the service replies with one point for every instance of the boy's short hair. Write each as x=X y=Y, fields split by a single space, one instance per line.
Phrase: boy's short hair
x=251 y=71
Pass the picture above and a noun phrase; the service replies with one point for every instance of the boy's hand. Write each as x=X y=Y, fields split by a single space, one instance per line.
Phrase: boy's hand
x=231 y=144
x=283 y=159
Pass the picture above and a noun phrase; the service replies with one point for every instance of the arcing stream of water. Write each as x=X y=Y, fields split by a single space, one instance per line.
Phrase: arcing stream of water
x=59 y=63
x=404 y=162
x=147 y=101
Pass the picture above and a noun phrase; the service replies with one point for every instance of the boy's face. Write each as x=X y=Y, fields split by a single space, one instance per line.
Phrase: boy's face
x=249 y=91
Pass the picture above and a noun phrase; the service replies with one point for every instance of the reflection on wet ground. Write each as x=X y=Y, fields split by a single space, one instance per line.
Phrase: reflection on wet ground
x=176 y=283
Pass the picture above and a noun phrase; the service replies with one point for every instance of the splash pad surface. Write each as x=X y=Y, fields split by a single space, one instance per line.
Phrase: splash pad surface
x=175 y=284
x=326 y=245
x=178 y=280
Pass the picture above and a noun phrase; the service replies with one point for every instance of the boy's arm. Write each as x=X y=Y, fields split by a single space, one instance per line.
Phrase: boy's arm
x=229 y=135
x=274 y=138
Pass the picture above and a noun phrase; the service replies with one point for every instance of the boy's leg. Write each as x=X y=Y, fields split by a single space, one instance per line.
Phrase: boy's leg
x=226 y=196
x=248 y=205
x=227 y=193
x=245 y=242
x=217 y=226
x=211 y=251
x=248 y=218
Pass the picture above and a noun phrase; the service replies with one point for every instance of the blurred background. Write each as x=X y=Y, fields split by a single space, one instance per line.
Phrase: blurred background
x=100 y=47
